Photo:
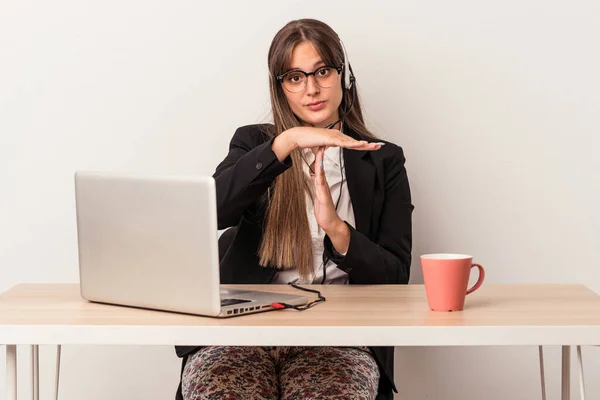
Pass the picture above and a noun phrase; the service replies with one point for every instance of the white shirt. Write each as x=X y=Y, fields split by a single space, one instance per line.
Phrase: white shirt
x=333 y=170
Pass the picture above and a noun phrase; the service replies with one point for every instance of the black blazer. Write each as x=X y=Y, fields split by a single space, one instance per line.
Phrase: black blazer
x=380 y=247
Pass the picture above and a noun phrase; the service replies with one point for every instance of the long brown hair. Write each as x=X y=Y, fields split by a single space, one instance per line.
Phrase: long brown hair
x=287 y=240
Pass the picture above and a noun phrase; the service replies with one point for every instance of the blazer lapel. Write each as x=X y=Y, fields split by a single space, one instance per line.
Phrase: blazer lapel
x=360 y=175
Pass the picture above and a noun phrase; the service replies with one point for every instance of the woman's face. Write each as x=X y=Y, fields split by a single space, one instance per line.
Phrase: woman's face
x=314 y=105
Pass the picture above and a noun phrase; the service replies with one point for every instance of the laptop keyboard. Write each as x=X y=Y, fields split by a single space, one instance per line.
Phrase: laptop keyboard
x=230 y=302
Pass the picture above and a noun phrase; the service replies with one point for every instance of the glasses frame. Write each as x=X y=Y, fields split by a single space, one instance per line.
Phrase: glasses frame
x=307 y=74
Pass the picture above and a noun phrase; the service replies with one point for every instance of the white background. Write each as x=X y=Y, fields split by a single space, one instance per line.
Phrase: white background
x=496 y=106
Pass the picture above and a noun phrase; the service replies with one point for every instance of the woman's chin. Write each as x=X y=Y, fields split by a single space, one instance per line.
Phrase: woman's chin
x=317 y=120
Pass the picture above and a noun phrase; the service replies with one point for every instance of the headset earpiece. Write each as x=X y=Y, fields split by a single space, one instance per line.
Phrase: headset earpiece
x=348 y=83
x=348 y=75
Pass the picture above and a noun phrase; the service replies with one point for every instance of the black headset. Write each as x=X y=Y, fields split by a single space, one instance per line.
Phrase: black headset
x=349 y=80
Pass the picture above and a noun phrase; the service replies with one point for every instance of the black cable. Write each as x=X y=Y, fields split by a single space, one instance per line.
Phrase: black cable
x=330 y=126
x=326 y=259
x=320 y=299
x=352 y=89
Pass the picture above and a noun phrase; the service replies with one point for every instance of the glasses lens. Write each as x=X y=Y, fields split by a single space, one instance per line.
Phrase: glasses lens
x=325 y=76
x=294 y=81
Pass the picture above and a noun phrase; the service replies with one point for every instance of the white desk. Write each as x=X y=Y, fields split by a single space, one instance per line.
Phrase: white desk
x=375 y=315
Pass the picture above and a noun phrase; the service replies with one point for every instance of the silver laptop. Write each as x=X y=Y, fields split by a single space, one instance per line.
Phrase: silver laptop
x=152 y=242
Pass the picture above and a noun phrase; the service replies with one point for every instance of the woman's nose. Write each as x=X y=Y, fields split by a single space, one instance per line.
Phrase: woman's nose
x=311 y=85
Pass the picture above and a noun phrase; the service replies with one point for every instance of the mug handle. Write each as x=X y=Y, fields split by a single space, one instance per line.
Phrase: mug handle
x=480 y=280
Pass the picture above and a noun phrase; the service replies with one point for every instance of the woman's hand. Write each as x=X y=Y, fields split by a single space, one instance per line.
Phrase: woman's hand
x=308 y=137
x=325 y=211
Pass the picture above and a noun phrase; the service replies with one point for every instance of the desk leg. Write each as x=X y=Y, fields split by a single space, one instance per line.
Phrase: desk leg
x=11 y=372
x=35 y=372
x=542 y=373
x=580 y=368
x=57 y=375
x=566 y=373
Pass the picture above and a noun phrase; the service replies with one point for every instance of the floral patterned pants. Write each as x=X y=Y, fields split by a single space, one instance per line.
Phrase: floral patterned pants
x=298 y=373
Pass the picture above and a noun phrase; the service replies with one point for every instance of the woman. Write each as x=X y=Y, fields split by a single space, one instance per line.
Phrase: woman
x=306 y=211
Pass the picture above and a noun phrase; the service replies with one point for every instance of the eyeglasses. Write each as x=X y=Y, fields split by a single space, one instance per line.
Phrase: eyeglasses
x=295 y=80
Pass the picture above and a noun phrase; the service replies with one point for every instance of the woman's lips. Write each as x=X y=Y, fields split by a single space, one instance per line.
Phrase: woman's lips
x=317 y=106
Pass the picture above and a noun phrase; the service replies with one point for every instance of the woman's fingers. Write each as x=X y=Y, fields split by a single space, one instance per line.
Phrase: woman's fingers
x=369 y=146
x=319 y=165
x=338 y=139
x=347 y=142
x=320 y=179
x=358 y=145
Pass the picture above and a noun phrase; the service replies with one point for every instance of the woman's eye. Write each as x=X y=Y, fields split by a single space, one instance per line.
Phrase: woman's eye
x=324 y=72
x=294 y=78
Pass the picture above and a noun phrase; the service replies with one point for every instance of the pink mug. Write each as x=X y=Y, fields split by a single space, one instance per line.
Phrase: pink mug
x=446 y=278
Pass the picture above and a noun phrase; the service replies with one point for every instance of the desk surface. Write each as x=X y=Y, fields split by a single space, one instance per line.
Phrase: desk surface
x=352 y=315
